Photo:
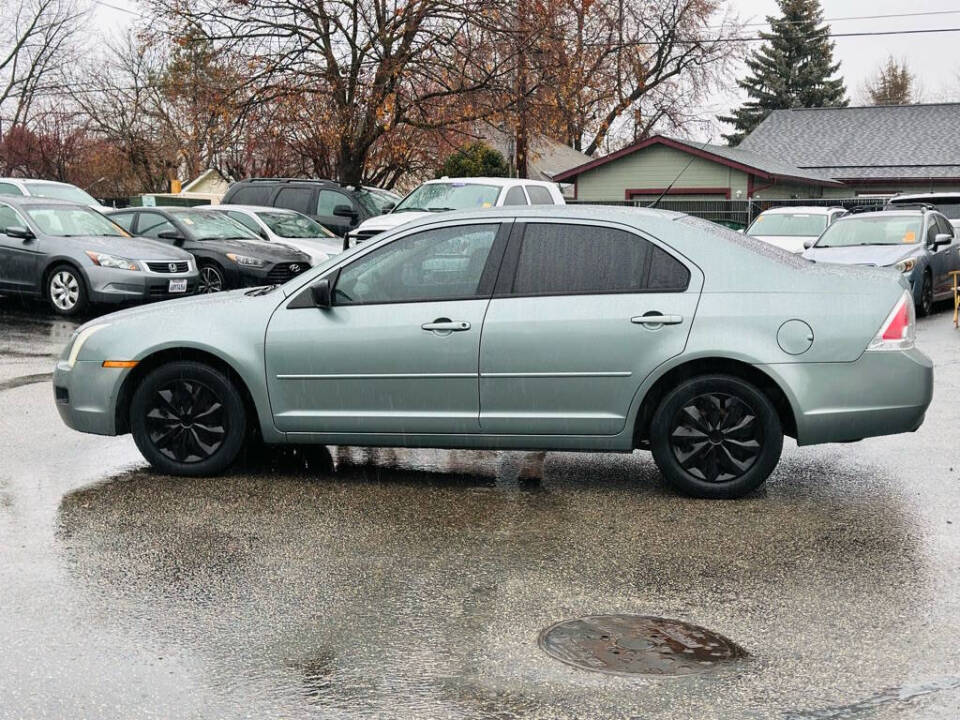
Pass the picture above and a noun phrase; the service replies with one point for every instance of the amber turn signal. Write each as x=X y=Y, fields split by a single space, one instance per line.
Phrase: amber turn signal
x=120 y=363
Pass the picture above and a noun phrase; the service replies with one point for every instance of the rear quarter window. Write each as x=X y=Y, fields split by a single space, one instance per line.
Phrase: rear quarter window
x=252 y=195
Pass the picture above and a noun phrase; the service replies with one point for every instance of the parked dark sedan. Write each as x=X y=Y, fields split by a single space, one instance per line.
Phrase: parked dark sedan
x=72 y=255
x=918 y=243
x=228 y=254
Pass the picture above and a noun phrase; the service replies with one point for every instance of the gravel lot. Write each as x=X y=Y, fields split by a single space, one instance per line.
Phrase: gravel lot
x=414 y=584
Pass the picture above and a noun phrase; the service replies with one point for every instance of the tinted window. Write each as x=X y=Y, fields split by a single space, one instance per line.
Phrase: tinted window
x=788 y=225
x=666 y=272
x=560 y=259
x=539 y=195
x=515 y=196
x=295 y=199
x=945 y=226
x=440 y=264
x=252 y=195
x=328 y=200
x=152 y=224
x=9 y=218
x=9 y=189
x=124 y=220
x=932 y=230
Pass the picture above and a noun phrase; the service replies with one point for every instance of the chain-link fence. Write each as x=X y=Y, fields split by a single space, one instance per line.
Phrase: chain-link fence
x=738 y=214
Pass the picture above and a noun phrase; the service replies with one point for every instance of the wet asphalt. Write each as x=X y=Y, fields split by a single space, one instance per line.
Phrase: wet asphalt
x=390 y=583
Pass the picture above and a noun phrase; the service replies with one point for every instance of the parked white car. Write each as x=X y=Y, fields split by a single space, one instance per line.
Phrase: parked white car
x=48 y=189
x=447 y=193
x=790 y=228
x=288 y=227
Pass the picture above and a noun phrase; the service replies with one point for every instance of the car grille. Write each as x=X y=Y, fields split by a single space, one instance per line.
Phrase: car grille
x=284 y=271
x=180 y=266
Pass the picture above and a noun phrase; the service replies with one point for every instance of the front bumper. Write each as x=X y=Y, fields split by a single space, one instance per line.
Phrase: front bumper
x=108 y=285
x=275 y=274
x=86 y=395
x=881 y=393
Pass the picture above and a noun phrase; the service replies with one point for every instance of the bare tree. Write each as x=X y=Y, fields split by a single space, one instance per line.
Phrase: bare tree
x=892 y=84
x=36 y=45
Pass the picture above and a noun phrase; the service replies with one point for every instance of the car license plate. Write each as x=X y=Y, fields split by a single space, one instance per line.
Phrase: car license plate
x=178 y=286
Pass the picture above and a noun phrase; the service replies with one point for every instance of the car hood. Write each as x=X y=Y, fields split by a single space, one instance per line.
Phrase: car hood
x=382 y=223
x=790 y=243
x=133 y=248
x=270 y=251
x=879 y=255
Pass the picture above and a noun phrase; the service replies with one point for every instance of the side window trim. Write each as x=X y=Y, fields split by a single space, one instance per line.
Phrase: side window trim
x=511 y=261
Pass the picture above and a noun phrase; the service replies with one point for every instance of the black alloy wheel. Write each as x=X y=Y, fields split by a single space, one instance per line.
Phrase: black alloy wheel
x=188 y=418
x=926 y=296
x=716 y=436
x=211 y=280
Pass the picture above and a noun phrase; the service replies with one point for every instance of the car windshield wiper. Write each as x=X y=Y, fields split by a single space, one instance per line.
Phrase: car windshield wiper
x=441 y=209
x=408 y=209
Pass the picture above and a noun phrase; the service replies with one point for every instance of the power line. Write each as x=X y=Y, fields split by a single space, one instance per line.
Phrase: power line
x=860 y=17
x=115 y=7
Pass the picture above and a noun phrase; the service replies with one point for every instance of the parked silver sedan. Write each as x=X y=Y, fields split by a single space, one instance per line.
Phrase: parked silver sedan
x=71 y=255
x=565 y=328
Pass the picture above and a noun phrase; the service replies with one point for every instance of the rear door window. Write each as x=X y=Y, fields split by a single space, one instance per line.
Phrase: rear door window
x=515 y=196
x=558 y=259
x=327 y=200
x=295 y=198
x=539 y=195
x=252 y=195
x=9 y=189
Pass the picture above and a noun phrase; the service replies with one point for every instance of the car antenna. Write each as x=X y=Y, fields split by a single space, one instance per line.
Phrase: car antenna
x=673 y=182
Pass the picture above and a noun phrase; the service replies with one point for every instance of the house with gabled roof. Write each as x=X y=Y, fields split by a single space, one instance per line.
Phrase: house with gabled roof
x=800 y=153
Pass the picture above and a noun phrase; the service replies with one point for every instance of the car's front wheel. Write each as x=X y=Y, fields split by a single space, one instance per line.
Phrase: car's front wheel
x=188 y=418
x=716 y=436
x=211 y=279
x=66 y=290
x=925 y=306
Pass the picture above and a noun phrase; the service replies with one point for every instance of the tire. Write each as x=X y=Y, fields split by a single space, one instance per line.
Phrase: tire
x=735 y=456
x=212 y=279
x=188 y=418
x=66 y=291
x=925 y=304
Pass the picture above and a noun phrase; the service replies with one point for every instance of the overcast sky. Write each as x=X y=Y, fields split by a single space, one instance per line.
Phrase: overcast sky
x=934 y=58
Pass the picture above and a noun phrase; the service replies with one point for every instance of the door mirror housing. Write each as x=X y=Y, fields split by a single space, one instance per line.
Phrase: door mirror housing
x=173 y=235
x=807 y=244
x=388 y=207
x=345 y=211
x=939 y=241
x=20 y=231
x=322 y=293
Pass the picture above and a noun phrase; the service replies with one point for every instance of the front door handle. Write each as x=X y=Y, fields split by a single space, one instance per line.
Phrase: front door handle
x=444 y=325
x=655 y=318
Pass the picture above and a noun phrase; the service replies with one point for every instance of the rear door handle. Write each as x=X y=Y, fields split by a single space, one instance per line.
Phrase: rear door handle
x=445 y=326
x=656 y=319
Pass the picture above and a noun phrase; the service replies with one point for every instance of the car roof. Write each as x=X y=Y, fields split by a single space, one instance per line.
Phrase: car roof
x=907 y=197
x=905 y=212
x=29 y=181
x=499 y=181
x=806 y=209
x=34 y=200
x=255 y=208
x=165 y=208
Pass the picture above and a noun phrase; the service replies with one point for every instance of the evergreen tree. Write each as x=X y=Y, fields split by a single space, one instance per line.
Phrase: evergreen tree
x=475 y=160
x=893 y=84
x=793 y=68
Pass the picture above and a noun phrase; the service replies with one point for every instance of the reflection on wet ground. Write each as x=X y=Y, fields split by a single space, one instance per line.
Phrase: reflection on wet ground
x=391 y=583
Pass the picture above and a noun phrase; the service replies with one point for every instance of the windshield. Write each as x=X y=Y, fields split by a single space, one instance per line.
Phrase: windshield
x=788 y=225
x=293 y=225
x=438 y=197
x=948 y=206
x=71 y=221
x=206 y=225
x=60 y=192
x=383 y=198
x=866 y=230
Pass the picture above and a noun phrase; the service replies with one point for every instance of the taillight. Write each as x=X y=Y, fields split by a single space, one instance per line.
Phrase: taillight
x=899 y=330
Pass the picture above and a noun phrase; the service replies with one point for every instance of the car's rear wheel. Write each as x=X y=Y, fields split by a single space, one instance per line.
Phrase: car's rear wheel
x=66 y=290
x=188 y=418
x=211 y=279
x=925 y=306
x=716 y=436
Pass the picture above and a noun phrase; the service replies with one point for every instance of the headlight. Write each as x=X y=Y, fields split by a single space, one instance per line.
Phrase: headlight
x=79 y=339
x=112 y=261
x=246 y=260
x=906 y=266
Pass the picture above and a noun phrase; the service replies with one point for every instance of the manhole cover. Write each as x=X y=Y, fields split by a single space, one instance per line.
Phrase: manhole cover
x=638 y=645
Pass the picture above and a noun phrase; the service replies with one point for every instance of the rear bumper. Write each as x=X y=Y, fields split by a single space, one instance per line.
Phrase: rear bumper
x=881 y=393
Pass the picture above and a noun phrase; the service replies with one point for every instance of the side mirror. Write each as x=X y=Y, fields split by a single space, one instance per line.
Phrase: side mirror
x=173 y=236
x=19 y=231
x=388 y=207
x=322 y=293
x=263 y=234
x=940 y=240
x=344 y=211
x=807 y=244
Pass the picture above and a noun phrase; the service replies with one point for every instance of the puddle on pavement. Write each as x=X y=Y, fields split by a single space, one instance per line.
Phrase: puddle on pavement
x=638 y=645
